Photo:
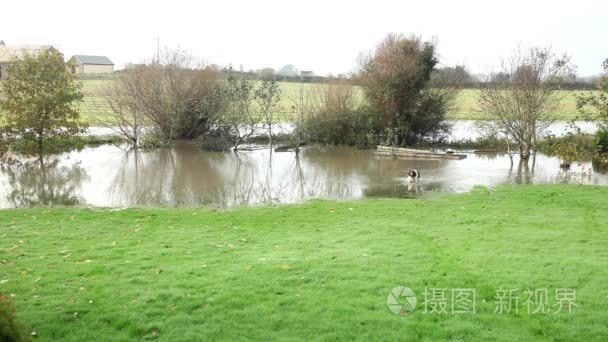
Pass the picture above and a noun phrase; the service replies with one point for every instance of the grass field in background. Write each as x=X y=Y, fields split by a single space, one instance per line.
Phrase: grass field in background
x=466 y=106
x=321 y=270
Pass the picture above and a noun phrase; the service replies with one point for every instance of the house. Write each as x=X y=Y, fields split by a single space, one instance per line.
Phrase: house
x=9 y=52
x=82 y=64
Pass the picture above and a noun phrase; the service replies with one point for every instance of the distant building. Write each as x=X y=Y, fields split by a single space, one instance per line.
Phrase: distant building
x=91 y=65
x=9 y=52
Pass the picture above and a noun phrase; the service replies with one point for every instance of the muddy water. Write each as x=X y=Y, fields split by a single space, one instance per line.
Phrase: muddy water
x=186 y=176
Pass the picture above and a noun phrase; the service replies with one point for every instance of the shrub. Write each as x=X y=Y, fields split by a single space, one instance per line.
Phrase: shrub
x=601 y=142
x=396 y=82
x=571 y=145
x=219 y=139
x=11 y=330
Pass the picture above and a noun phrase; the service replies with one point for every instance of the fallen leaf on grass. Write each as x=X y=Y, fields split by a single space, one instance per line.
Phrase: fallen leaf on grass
x=285 y=267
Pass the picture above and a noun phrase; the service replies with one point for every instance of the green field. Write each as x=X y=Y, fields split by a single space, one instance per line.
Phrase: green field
x=465 y=108
x=316 y=271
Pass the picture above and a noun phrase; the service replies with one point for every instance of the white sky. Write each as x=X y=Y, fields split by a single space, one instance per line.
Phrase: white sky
x=324 y=36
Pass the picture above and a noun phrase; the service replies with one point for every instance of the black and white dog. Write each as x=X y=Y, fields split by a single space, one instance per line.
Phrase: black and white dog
x=413 y=176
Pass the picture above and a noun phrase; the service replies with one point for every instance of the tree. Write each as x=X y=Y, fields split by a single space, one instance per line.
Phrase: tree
x=176 y=96
x=122 y=112
x=594 y=106
x=238 y=112
x=267 y=95
x=522 y=105
x=40 y=97
x=288 y=70
x=452 y=76
x=395 y=79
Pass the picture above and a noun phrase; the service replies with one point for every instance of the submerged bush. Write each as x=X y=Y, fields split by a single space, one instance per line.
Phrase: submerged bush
x=220 y=139
x=569 y=147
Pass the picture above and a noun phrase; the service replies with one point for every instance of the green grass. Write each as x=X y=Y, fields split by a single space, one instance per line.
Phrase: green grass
x=466 y=106
x=316 y=271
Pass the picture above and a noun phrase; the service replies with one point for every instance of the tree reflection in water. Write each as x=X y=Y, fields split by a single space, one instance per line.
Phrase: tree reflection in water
x=43 y=180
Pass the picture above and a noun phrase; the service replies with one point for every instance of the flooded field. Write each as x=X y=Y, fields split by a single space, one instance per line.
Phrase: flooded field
x=184 y=175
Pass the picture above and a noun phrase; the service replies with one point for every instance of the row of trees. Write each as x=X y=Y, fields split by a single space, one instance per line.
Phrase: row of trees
x=175 y=99
x=405 y=98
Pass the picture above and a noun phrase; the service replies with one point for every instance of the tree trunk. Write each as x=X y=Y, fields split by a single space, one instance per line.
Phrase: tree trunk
x=39 y=141
x=236 y=145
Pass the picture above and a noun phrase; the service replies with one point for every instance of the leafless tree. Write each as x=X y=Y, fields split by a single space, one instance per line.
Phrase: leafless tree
x=119 y=109
x=523 y=104
x=176 y=96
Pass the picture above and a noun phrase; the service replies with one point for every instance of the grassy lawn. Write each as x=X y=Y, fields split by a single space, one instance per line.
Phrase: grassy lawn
x=465 y=108
x=316 y=271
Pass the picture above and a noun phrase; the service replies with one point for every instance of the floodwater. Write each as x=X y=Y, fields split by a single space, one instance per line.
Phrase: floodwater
x=184 y=175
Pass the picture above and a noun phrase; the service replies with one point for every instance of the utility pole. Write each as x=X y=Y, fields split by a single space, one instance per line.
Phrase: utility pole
x=157 y=50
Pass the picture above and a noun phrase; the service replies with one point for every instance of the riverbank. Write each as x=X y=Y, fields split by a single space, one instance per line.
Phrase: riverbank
x=320 y=270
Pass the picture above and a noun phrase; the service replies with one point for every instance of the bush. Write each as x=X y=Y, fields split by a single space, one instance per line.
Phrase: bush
x=11 y=330
x=601 y=142
x=569 y=147
x=152 y=140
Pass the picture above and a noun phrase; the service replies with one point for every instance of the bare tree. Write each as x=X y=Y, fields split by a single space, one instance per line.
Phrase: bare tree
x=177 y=97
x=522 y=105
x=121 y=112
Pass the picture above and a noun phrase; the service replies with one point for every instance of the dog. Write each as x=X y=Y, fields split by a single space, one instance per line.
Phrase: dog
x=413 y=176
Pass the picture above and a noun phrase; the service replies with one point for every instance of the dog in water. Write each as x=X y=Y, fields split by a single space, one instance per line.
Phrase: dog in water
x=413 y=176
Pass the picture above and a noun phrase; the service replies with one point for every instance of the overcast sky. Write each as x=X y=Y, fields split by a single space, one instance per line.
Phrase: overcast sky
x=324 y=36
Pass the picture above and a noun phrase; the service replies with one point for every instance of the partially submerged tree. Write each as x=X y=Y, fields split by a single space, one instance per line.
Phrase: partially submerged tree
x=238 y=112
x=267 y=95
x=120 y=110
x=395 y=79
x=521 y=99
x=40 y=97
x=299 y=115
x=177 y=98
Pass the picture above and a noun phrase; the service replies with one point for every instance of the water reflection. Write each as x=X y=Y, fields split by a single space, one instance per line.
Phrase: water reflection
x=186 y=176
x=41 y=180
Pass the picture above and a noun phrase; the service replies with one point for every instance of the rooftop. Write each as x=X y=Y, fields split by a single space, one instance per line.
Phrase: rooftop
x=10 y=52
x=98 y=60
